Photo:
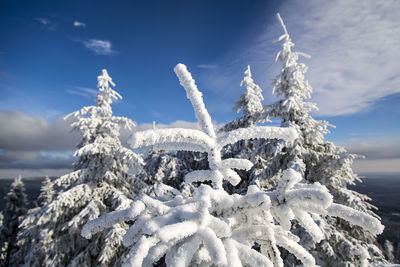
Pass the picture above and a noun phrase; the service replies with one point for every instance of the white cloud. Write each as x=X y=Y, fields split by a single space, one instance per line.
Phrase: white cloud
x=83 y=91
x=207 y=66
x=46 y=23
x=43 y=21
x=29 y=144
x=21 y=132
x=100 y=47
x=79 y=24
x=354 y=48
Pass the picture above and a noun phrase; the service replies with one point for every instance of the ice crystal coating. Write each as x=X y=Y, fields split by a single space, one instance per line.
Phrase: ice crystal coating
x=211 y=227
x=99 y=184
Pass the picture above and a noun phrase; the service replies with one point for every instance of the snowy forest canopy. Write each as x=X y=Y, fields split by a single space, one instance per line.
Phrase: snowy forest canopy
x=237 y=195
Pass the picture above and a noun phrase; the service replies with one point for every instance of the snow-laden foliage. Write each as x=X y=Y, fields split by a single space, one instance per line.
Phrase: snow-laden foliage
x=264 y=153
x=323 y=162
x=46 y=192
x=211 y=227
x=99 y=184
x=170 y=167
x=16 y=207
x=249 y=102
x=389 y=251
x=205 y=140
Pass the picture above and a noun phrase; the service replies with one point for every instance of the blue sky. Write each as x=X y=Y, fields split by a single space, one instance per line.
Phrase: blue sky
x=52 y=51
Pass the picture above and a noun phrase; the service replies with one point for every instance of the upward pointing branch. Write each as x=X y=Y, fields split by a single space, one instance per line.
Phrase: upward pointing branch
x=186 y=80
x=281 y=22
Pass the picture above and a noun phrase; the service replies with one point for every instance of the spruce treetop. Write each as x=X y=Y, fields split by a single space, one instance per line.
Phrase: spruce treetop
x=290 y=83
x=250 y=101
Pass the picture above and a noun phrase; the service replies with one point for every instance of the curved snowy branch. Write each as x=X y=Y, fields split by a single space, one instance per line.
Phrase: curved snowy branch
x=172 y=137
x=112 y=218
x=181 y=146
x=359 y=218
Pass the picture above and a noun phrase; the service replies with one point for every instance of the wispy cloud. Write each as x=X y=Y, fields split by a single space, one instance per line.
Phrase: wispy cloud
x=83 y=91
x=47 y=24
x=354 y=49
x=100 y=47
x=79 y=24
x=207 y=66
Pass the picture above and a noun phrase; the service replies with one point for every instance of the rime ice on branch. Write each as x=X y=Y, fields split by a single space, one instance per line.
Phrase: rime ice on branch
x=99 y=184
x=323 y=161
x=206 y=140
x=211 y=227
x=249 y=102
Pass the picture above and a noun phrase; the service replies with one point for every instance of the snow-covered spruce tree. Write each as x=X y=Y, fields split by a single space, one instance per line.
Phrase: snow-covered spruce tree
x=263 y=153
x=98 y=185
x=16 y=207
x=345 y=244
x=2 y=245
x=46 y=192
x=389 y=251
x=211 y=227
x=249 y=103
x=29 y=227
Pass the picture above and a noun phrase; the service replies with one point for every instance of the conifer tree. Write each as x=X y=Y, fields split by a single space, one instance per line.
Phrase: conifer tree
x=2 y=246
x=323 y=162
x=265 y=154
x=46 y=192
x=389 y=251
x=249 y=103
x=16 y=207
x=211 y=227
x=99 y=184
x=170 y=167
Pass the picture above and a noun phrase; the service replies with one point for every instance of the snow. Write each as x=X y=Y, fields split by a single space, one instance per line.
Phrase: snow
x=98 y=185
x=362 y=219
x=195 y=97
x=211 y=226
x=202 y=221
